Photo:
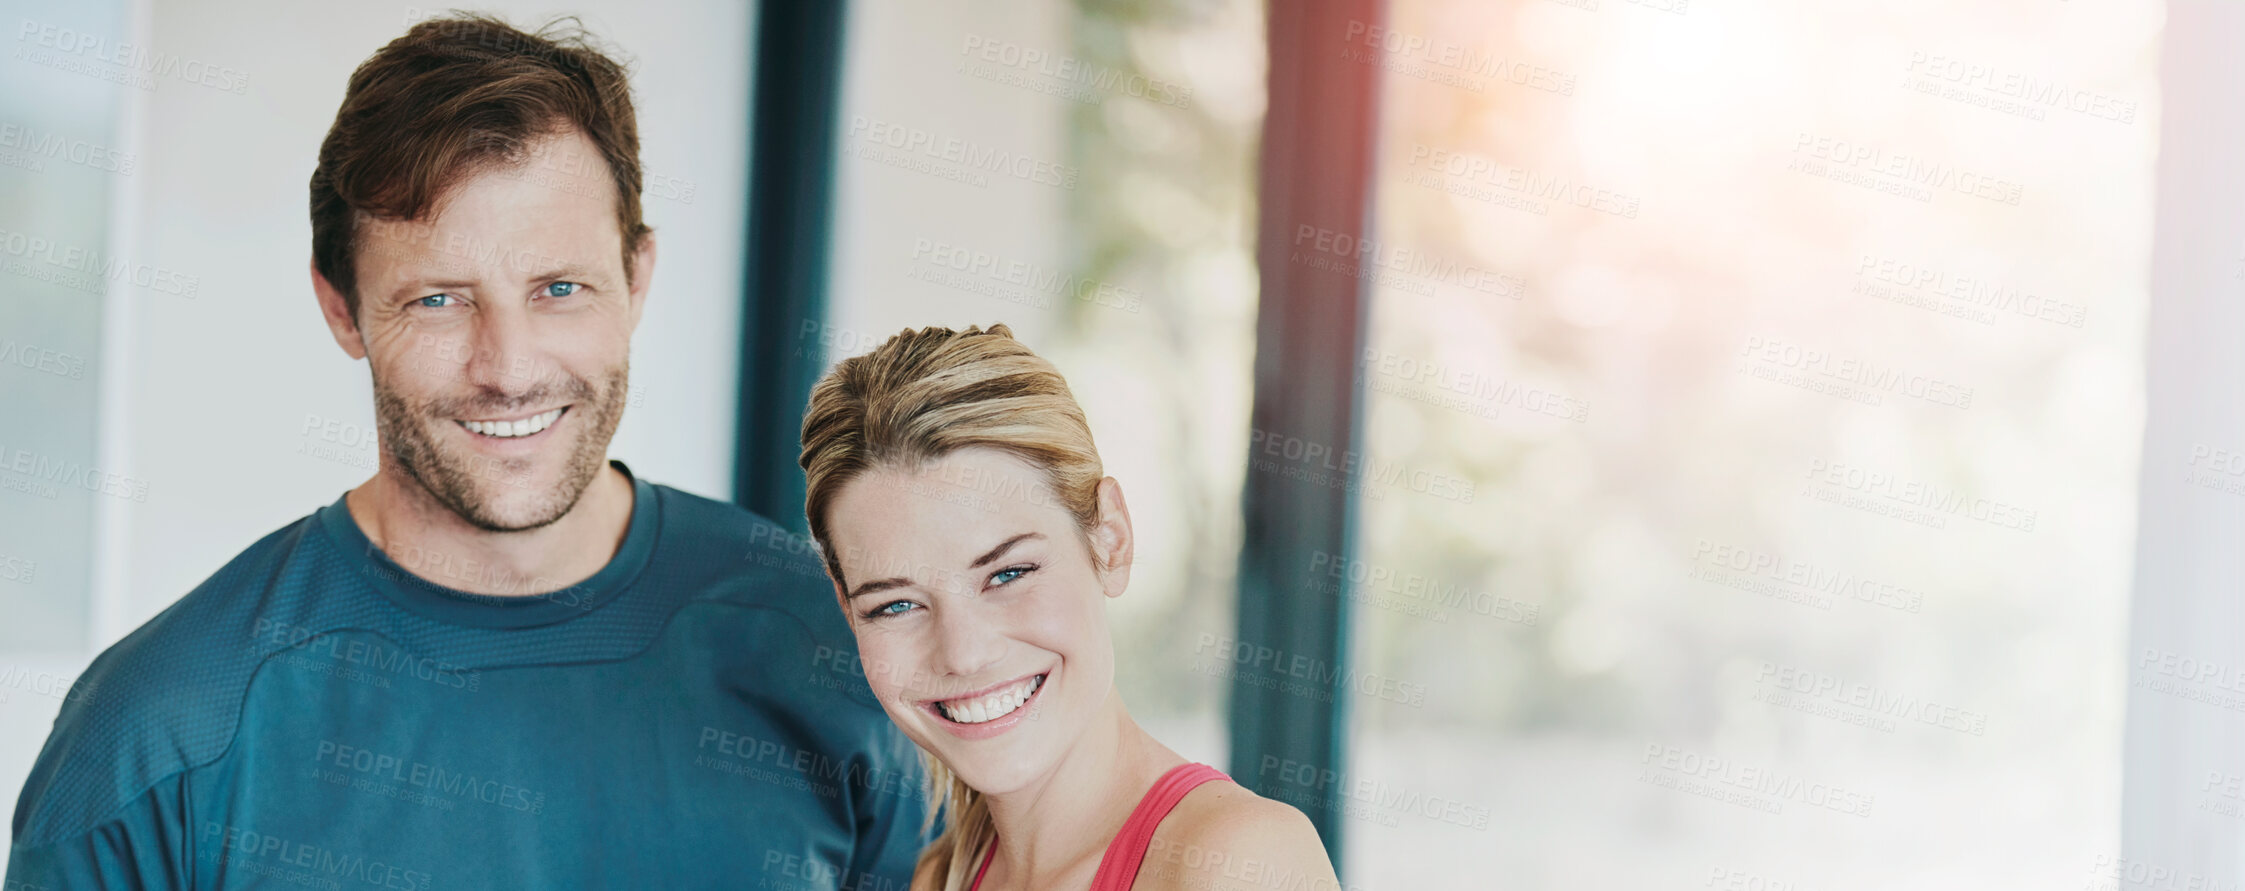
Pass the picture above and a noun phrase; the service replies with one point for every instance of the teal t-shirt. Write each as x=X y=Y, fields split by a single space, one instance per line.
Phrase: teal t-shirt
x=316 y=716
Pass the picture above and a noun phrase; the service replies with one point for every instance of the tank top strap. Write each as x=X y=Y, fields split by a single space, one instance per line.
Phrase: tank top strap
x=989 y=853
x=1119 y=867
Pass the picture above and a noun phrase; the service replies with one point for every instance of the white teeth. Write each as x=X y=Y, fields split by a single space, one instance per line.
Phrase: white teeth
x=991 y=707
x=512 y=429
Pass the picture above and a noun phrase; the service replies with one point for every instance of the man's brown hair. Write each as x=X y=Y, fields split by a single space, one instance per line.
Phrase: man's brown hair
x=452 y=98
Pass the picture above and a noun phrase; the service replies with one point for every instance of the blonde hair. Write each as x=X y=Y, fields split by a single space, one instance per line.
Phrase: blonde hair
x=916 y=398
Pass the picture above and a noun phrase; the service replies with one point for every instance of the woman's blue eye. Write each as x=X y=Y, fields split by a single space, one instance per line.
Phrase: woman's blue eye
x=1009 y=574
x=561 y=289
x=437 y=297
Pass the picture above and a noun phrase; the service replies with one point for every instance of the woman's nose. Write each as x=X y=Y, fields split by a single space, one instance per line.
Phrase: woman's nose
x=967 y=640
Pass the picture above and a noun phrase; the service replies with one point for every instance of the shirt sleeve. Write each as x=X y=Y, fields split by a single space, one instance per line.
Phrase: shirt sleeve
x=892 y=805
x=144 y=844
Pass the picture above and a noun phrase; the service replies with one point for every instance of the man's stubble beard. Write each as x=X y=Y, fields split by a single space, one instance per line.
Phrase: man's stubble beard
x=468 y=485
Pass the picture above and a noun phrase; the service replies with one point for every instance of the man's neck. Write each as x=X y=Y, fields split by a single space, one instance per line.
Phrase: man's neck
x=1054 y=831
x=427 y=539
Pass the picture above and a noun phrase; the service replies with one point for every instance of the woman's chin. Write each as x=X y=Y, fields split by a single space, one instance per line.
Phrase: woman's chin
x=1000 y=764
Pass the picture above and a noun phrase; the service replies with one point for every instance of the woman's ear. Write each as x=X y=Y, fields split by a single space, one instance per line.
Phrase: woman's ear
x=1111 y=536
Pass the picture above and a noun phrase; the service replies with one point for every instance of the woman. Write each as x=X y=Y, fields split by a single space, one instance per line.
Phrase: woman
x=953 y=488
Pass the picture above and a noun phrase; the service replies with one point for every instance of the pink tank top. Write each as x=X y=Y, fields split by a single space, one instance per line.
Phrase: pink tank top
x=1118 y=868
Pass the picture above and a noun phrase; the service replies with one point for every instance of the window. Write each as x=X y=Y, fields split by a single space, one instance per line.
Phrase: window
x=1790 y=356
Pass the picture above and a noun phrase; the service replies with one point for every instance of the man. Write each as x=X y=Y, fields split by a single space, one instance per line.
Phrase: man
x=503 y=661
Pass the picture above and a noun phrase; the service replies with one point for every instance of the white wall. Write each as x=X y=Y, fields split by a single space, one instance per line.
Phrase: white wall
x=2186 y=656
x=207 y=399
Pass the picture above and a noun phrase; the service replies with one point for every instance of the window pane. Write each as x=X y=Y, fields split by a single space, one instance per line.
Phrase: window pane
x=1763 y=382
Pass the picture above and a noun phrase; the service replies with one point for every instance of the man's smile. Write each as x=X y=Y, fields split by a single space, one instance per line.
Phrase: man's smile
x=513 y=428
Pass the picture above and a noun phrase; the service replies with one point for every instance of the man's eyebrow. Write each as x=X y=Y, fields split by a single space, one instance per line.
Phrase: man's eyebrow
x=876 y=586
x=422 y=284
x=569 y=272
x=1000 y=550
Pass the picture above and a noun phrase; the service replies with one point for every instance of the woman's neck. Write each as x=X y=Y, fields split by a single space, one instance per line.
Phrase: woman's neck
x=1056 y=828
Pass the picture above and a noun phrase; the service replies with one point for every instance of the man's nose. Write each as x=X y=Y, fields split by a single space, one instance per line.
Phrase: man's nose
x=504 y=354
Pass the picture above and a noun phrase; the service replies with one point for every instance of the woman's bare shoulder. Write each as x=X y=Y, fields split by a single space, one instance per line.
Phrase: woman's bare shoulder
x=1222 y=836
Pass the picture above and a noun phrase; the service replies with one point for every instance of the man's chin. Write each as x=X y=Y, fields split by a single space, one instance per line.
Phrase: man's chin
x=509 y=517
x=515 y=501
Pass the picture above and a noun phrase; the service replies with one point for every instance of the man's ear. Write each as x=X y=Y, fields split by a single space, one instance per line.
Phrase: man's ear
x=1111 y=538
x=337 y=311
x=642 y=275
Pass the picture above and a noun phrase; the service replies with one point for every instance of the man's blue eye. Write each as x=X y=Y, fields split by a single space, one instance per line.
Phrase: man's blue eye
x=891 y=608
x=561 y=289
x=437 y=297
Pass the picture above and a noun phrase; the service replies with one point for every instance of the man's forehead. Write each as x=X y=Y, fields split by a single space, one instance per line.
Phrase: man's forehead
x=497 y=225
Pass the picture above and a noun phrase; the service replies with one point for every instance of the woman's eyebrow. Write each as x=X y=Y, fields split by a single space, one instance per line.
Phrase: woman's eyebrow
x=877 y=585
x=1000 y=550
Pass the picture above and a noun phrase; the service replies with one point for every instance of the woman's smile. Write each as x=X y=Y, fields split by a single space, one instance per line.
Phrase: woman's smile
x=990 y=711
